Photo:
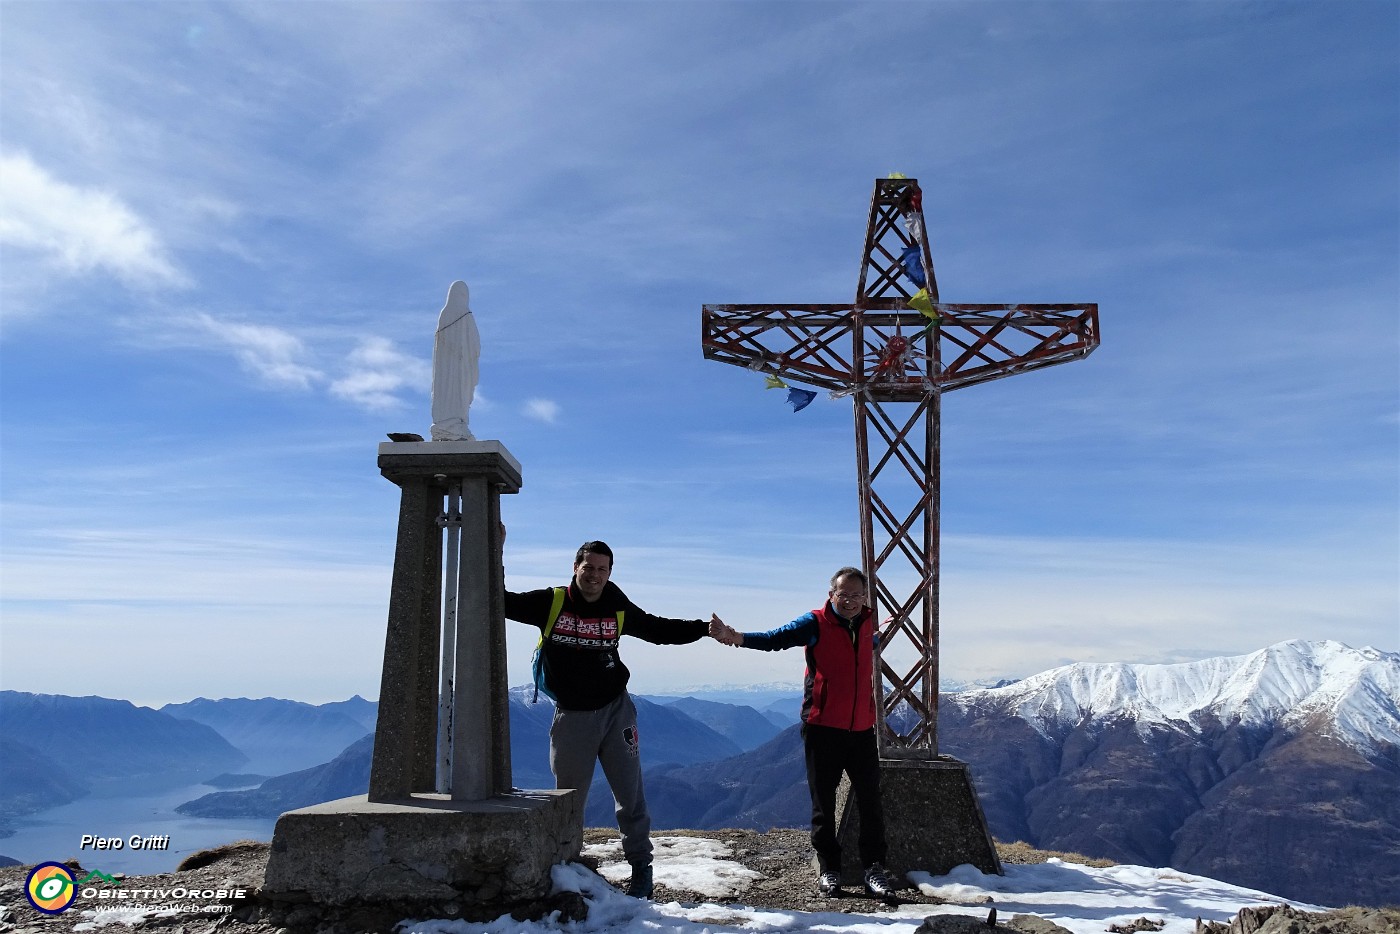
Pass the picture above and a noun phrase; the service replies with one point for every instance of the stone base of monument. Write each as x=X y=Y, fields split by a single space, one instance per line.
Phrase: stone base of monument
x=428 y=855
x=933 y=820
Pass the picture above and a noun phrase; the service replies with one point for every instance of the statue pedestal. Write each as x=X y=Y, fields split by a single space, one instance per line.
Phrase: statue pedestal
x=427 y=853
x=933 y=820
x=437 y=835
x=406 y=737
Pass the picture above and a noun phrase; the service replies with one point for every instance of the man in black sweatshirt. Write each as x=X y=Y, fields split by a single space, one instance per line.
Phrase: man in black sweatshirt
x=594 y=718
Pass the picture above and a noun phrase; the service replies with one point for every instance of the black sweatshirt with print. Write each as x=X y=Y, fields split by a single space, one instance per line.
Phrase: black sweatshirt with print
x=581 y=664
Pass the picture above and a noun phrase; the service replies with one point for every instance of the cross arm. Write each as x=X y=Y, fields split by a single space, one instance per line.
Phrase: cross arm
x=980 y=343
x=806 y=343
x=957 y=345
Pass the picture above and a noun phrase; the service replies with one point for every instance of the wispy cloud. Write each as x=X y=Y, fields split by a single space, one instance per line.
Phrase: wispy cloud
x=543 y=410
x=318 y=174
x=272 y=354
x=78 y=230
x=378 y=374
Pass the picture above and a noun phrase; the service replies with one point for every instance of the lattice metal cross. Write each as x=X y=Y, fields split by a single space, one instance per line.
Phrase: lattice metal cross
x=897 y=344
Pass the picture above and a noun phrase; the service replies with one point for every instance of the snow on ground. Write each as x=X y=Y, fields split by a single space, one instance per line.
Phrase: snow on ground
x=695 y=864
x=1084 y=899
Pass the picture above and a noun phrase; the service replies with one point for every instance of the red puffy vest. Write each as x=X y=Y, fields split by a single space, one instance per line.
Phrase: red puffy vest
x=840 y=684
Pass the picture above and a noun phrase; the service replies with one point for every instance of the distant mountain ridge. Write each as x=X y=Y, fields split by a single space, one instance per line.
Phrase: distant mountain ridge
x=97 y=740
x=281 y=736
x=1279 y=769
x=764 y=695
x=1356 y=692
x=672 y=737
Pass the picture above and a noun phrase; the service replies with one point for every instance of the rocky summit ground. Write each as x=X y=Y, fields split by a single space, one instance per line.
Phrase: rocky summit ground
x=783 y=857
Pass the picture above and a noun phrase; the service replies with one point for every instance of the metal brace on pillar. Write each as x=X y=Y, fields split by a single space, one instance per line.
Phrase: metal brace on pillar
x=451 y=522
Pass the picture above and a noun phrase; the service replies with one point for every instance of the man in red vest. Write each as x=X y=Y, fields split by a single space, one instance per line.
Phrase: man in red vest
x=838 y=721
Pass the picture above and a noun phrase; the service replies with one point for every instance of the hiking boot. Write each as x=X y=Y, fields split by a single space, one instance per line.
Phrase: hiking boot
x=829 y=884
x=640 y=886
x=878 y=883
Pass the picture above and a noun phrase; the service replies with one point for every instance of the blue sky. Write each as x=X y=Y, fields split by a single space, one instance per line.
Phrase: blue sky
x=227 y=230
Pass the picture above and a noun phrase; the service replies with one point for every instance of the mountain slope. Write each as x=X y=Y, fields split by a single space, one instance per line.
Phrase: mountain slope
x=345 y=775
x=765 y=787
x=746 y=727
x=31 y=781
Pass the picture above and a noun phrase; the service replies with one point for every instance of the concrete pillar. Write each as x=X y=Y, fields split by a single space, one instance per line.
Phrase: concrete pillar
x=405 y=736
x=474 y=742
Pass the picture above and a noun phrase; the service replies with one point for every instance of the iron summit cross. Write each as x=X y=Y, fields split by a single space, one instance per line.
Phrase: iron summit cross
x=895 y=350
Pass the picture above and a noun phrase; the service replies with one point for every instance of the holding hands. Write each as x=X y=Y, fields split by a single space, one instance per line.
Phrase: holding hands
x=723 y=633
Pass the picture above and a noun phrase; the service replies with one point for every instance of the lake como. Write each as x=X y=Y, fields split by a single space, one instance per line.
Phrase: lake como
x=57 y=834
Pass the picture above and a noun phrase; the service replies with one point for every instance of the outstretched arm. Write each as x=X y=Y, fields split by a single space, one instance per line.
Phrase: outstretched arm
x=661 y=630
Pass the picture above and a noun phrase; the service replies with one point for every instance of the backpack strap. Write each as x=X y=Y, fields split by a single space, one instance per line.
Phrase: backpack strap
x=537 y=662
x=555 y=608
x=619 y=622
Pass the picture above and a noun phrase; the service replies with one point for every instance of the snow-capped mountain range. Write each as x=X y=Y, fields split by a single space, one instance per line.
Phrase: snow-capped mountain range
x=1351 y=694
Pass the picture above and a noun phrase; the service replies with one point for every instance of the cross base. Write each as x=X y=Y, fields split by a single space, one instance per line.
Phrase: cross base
x=933 y=820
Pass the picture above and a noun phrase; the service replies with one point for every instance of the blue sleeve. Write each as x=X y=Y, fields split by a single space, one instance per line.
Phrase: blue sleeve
x=800 y=631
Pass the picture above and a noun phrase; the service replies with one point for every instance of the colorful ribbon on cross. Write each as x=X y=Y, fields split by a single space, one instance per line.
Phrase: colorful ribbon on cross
x=912 y=259
x=922 y=302
x=799 y=399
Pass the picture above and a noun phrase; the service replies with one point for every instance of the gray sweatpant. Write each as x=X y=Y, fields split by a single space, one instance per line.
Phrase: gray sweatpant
x=578 y=738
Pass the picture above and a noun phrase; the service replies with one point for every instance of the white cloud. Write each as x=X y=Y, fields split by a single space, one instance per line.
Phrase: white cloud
x=270 y=353
x=78 y=230
x=544 y=410
x=378 y=373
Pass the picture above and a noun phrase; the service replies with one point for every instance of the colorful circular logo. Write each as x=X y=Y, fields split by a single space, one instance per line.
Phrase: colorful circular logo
x=50 y=888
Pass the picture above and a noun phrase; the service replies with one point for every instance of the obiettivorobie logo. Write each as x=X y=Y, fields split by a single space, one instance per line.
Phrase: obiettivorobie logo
x=52 y=889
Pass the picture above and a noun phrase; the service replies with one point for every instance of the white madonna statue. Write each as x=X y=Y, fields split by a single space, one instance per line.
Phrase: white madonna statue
x=456 y=350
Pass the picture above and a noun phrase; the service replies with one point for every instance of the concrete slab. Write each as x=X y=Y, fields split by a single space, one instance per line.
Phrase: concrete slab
x=430 y=851
x=933 y=820
x=449 y=449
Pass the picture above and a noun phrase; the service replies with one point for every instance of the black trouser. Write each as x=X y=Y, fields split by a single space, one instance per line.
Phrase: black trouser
x=830 y=752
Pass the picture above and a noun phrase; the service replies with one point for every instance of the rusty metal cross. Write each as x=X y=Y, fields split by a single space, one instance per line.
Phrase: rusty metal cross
x=883 y=352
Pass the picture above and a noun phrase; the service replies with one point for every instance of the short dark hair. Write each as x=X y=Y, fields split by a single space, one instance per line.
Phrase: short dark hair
x=593 y=548
x=857 y=573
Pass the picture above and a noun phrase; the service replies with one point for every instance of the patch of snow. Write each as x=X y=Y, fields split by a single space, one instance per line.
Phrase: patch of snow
x=674 y=864
x=1083 y=899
